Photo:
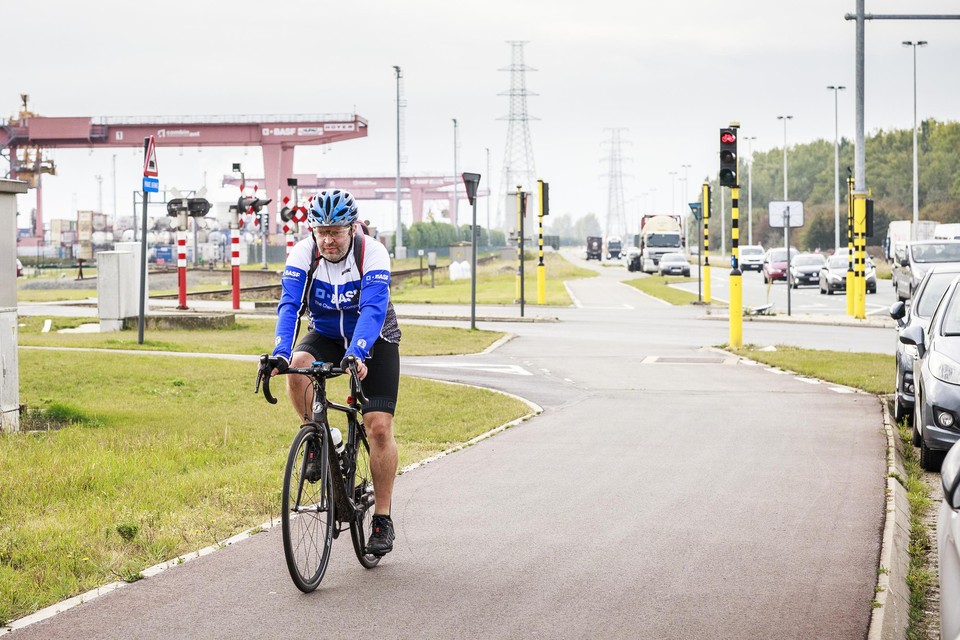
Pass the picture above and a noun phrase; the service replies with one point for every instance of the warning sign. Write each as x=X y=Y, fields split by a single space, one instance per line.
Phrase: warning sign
x=149 y=158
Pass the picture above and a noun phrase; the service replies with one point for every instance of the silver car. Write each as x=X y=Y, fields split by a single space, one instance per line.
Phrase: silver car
x=948 y=545
x=919 y=258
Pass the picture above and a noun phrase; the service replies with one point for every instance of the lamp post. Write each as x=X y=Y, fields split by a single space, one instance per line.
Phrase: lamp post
x=784 y=118
x=673 y=191
x=453 y=212
x=916 y=191
x=398 y=241
x=836 y=166
x=750 y=188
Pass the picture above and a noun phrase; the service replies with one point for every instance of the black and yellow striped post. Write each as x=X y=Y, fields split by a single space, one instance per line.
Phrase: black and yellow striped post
x=706 y=242
x=860 y=255
x=736 y=277
x=849 y=290
x=521 y=212
x=541 y=270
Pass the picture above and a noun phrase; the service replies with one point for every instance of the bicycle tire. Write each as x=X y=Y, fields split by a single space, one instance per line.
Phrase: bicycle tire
x=307 y=532
x=362 y=482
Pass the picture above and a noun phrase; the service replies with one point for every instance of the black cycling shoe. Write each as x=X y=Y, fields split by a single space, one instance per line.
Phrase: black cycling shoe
x=312 y=471
x=381 y=540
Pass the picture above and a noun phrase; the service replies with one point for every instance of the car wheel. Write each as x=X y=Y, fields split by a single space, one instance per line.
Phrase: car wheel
x=765 y=280
x=930 y=460
x=829 y=291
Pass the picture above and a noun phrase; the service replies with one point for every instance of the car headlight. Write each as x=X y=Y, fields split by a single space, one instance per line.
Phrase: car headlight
x=944 y=369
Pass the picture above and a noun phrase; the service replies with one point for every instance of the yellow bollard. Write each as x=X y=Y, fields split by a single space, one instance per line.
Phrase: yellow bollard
x=736 y=277
x=859 y=259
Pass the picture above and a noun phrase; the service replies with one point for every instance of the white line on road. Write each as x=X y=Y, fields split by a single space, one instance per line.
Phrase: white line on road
x=512 y=369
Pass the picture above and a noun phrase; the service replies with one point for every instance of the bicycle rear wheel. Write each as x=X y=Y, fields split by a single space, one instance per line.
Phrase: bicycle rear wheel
x=307 y=513
x=362 y=481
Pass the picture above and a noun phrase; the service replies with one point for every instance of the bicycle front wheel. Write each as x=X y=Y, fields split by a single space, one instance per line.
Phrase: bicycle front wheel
x=362 y=481
x=307 y=509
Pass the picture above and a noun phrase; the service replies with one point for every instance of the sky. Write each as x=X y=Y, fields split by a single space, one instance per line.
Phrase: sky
x=669 y=74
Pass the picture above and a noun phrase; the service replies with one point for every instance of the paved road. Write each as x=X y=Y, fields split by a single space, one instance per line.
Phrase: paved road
x=692 y=498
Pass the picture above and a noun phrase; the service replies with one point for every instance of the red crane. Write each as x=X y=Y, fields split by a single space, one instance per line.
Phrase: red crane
x=27 y=135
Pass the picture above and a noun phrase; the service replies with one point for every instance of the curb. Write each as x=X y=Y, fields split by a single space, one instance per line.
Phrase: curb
x=891 y=613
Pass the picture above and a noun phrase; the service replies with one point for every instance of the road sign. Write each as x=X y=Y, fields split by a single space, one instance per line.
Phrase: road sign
x=470 y=181
x=151 y=185
x=150 y=158
x=697 y=209
x=781 y=211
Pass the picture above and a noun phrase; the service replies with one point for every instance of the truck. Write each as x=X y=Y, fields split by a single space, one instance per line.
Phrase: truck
x=594 y=248
x=659 y=234
x=900 y=232
x=614 y=247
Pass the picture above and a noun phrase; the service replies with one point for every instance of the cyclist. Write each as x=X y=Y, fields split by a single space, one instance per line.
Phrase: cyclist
x=342 y=277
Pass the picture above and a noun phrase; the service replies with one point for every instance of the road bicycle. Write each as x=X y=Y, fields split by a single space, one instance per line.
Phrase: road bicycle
x=324 y=492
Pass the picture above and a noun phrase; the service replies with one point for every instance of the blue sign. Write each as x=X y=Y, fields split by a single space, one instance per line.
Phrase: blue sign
x=697 y=209
x=151 y=185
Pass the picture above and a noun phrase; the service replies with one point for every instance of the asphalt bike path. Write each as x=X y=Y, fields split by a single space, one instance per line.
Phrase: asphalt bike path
x=666 y=491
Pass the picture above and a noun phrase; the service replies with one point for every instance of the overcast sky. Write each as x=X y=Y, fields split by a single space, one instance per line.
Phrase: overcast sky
x=669 y=73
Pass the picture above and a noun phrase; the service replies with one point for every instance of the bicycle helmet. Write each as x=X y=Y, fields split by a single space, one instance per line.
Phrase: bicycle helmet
x=332 y=209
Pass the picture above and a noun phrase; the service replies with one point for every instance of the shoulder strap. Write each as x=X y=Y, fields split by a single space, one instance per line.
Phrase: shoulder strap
x=358 y=252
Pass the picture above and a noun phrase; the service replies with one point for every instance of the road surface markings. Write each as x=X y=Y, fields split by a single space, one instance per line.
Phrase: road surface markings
x=511 y=369
x=576 y=302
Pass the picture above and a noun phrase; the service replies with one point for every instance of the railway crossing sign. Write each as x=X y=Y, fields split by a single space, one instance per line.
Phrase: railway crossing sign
x=150 y=159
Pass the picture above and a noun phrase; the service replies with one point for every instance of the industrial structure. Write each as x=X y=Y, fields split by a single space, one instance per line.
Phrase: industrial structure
x=24 y=139
x=518 y=165
x=616 y=224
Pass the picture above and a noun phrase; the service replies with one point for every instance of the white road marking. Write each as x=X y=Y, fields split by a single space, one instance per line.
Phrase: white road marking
x=512 y=369
x=841 y=390
x=576 y=302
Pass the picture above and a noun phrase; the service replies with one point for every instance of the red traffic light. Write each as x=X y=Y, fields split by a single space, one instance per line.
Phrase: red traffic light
x=727 y=137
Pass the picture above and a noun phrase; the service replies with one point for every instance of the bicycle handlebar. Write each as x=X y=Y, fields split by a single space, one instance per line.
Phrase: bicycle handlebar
x=316 y=372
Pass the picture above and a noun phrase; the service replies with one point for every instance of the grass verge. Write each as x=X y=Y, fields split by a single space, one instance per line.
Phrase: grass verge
x=496 y=283
x=920 y=579
x=659 y=287
x=246 y=337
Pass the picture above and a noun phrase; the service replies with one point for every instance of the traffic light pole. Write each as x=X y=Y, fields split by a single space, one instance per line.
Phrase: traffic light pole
x=521 y=211
x=736 y=277
x=706 y=242
x=541 y=270
x=849 y=288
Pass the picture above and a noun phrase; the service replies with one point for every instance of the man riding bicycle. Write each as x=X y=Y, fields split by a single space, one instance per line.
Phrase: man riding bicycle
x=342 y=277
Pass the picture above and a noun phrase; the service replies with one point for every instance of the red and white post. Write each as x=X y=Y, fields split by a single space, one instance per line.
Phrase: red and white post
x=182 y=259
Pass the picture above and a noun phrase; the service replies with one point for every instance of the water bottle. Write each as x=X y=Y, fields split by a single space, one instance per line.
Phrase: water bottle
x=337 y=439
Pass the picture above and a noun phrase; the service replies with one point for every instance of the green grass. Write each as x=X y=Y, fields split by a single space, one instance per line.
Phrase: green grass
x=54 y=295
x=247 y=337
x=146 y=458
x=871 y=372
x=496 y=284
x=659 y=287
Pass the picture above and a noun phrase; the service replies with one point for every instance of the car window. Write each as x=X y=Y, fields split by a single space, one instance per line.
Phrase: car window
x=837 y=262
x=936 y=252
x=950 y=326
x=751 y=251
x=929 y=298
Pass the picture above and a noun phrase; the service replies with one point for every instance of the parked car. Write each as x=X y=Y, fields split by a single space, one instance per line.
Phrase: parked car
x=925 y=302
x=674 y=264
x=936 y=375
x=774 y=265
x=805 y=269
x=948 y=546
x=833 y=274
x=917 y=258
x=19 y=268
x=751 y=257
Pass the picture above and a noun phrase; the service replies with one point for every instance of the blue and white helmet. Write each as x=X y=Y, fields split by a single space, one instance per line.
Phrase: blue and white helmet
x=334 y=208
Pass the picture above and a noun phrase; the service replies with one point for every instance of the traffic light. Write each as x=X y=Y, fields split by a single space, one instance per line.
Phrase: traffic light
x=198 y=207
x=286 y=214
x=728 y=157
x=251 y=205
x=174 y=207
x=544 y=198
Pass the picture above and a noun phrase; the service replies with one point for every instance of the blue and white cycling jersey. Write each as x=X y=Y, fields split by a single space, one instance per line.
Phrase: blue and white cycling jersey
x=339 y=305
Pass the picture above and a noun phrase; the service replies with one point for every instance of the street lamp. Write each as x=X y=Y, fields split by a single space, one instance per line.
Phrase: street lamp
x=453 y=214
x=683 y=184
x=673 y=192
x=784 y=118
x=750 y=140
x=836 y=166
x=398 y=243
x=916 y=196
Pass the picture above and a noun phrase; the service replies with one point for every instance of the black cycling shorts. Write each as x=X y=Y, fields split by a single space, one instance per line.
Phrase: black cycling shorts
x=383 y=368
